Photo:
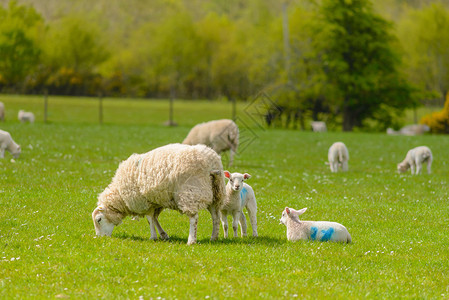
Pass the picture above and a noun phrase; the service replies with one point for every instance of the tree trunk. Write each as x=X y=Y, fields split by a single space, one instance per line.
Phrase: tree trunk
x=348 y=119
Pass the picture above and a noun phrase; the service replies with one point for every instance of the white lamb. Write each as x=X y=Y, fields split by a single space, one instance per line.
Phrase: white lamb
x=220 y=135
x=180 y=177
x=2 y=111
x=338 y=155
x=312 y=230
x=238 y=196
x=415 y=158
x=7 y=143
x=26 y=116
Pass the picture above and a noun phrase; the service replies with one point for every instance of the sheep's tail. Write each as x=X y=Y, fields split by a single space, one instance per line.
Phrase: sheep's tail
x=218 y=187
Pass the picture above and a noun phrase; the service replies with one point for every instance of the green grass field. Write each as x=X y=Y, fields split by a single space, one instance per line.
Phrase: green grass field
x=48 y=248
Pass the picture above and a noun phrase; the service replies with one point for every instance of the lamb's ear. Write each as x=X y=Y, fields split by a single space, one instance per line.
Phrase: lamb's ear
x=287 y=210
x=301 y=211
x=227 y=174
x=246 y=176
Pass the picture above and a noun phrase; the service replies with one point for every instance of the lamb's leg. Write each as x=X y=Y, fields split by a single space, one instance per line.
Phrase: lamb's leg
x=235 y=222
x=344 y=166
x=429 y=165
x=215 y=222
x=193 y=229
x=335 y=167
x=2 y=152
x=243 y=225
x=412 y=168
x=224 y=222
x=251 y=206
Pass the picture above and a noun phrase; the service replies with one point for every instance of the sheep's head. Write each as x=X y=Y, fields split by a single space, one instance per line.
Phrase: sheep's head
x=291 y=213
x=236 y=179
x=102 y=224
x=16 y=153
x=403 y=167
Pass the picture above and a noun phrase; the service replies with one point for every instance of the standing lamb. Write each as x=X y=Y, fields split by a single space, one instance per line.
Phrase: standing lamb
x=318 y=126
x=338 y=155
x=26 y=116
x=312 y=230
x=415 y=158
x=238 y=196
x=180 y=177
x=2 y=111
x=7 y=143
x=220 y=135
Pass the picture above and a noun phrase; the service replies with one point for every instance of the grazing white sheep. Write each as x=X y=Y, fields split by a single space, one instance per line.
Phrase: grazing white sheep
x=26 y=116
x=180 y=177
x=338 y=155
x=2 y=111
x=312 y=230
x=415 y=158
x=238 y=196
x=318 y=126
x=220 y=135
x=7 y=143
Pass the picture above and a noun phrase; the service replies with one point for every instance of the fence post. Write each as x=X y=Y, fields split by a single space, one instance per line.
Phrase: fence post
x=45 y=105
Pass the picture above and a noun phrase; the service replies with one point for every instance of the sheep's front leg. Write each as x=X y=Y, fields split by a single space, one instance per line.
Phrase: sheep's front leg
x=231 y=157
x=412 y=168
x=193 y=229
x=235 y=222
x=215 y=222
x=151 y=222
x=224 y=223
x=2 y=152
x=429 y=165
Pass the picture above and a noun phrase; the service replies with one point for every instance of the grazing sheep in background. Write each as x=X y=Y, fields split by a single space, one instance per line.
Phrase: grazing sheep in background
x=415 y=129
x=312 y=230
x=318 y=126
x=2 y=111
x=180 y=177
x=415 y=158
x=220 y=135
x=238 y=196
x=7 y=143
x=26 y=116
x=338 y=155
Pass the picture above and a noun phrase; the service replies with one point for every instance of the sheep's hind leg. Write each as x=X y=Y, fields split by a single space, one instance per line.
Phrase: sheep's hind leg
x=251 y=206
x=243 y=225
x=162 y=232
x=215 y=222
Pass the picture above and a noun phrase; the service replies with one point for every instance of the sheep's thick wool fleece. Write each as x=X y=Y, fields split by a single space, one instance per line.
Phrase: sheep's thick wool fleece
x=217 y=134
x=175 y=176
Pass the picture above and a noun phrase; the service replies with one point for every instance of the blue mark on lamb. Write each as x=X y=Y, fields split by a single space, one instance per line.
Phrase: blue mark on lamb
x=243 y=194
x=327 y=234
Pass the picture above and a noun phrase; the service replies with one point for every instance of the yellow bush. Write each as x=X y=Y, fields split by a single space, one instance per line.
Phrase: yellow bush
x=438 y=121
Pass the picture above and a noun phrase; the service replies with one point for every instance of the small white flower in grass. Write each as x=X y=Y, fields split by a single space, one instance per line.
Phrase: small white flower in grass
x=12 y=160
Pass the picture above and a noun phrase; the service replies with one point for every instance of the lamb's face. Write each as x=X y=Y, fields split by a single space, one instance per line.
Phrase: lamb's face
x=284 y=217
x=236 y=180
x=101 y=223
x=16 y=153
x=402 y=167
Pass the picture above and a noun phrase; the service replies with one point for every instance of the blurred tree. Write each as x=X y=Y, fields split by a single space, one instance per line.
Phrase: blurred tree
x=425 y=38
x=360 y=61
x=19 y=52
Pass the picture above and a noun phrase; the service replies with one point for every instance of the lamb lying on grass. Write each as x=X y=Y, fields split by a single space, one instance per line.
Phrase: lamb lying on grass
x=338 y=155
x=238 y=196
x=180 y=177
x=7 y=143
x=220 y=135
x=312 y=230
x=25 y=116
x=415 y=158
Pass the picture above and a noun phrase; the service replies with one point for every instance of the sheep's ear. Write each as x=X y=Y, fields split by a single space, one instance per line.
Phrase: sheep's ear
x=227 y=174
x=301 y=211
x=287 y=210
x=246 y=176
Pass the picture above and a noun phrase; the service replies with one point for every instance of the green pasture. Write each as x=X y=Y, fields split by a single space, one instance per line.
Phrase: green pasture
x=48 y=248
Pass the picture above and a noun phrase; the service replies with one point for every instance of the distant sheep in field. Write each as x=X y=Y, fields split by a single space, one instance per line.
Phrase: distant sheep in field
x=180 y=177
x=338 y=155
x=7 y=143
x=220 y=135
x=312 y=230
x=238 y=196
x=415 y=158
x=2 y=111
x=319 y=126
x=415 y=129
x=26 y=116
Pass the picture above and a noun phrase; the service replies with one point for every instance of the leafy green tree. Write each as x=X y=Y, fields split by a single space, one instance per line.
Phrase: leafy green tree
x=424 y=35
x=360 y=62
x=19 y=51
